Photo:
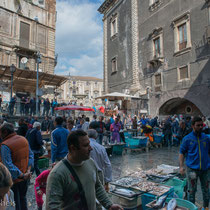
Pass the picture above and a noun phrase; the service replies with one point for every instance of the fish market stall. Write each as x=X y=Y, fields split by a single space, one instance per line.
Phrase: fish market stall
x=141 y=187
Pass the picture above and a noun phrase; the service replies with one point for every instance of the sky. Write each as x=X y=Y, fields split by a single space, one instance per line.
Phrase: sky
x=79 y=38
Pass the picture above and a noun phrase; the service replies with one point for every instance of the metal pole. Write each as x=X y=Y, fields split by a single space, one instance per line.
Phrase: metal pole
x=38 y=60
x=11 y=86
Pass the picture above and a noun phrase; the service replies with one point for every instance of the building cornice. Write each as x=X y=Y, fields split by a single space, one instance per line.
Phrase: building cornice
x=106 y=5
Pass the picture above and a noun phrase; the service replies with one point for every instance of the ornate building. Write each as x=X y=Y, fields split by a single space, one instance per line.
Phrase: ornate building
x=159 y=50
x=83 y=90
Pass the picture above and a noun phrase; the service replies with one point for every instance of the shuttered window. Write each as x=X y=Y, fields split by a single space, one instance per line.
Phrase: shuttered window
x=24 y=34
x=157 y=79
x=183 y=72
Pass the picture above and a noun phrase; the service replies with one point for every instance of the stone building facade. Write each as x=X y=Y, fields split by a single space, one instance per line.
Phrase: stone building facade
x=81 y=89
x=26 y=27
x=159 y=50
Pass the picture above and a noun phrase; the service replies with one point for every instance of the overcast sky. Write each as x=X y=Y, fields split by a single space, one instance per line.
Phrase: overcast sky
x=79 y=38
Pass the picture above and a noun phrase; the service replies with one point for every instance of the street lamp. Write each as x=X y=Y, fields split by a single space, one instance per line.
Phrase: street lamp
x=12 y=70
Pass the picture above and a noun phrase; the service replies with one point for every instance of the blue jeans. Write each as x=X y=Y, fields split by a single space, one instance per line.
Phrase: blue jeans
x=100 y=138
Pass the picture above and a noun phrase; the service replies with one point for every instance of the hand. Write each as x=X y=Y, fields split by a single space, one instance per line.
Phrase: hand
x=106 y=186
x=182 y=171
x=39 y=192
x=115 y=207
x=27 y=175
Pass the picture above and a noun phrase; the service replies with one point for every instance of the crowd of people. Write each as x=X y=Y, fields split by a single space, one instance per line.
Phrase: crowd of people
x=74 y=141
x=26 y=106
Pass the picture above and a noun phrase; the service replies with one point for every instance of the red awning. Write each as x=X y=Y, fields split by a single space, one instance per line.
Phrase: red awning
x=75 y=107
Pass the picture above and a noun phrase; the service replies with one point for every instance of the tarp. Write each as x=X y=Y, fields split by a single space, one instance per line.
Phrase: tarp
x=74 y=107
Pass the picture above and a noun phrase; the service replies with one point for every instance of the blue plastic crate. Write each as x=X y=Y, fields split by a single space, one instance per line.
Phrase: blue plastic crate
x=118 y=149
x=128 y=134
x=147 y=198
x=143 y=142
x=133 y=143
x=158 y=138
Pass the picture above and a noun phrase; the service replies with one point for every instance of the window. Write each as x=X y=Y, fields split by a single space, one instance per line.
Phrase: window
x=24 y=34
x=182 y=35
x=183 y=73
x=114 y=29
x=158 y=80
x=114 y=65
x=157 y=51
x=87 y=83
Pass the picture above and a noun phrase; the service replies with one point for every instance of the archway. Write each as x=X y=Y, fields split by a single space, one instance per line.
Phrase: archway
x=179 y=106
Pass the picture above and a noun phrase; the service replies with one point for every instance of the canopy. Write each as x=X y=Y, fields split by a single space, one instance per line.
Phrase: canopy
x=74 y=107
x=116 y=96
x=25 y=80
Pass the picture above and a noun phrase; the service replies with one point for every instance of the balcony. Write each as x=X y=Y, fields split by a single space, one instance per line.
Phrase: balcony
x=156 y=60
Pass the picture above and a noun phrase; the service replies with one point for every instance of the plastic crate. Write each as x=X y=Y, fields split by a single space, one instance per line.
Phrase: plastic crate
x=128 y=134
x=178 y=186
x=184 y=203
x=143 y=142
x=132 y=143
x=43 y=163
x=147 y=198
x=118 y=149
x=158 y=138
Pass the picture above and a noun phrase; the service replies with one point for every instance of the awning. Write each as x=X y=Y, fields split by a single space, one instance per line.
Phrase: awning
x=117 y=96
x=75 y=107
x=25 y=80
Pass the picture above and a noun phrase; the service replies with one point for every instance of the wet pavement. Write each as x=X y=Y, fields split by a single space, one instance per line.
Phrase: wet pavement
x=129 y=162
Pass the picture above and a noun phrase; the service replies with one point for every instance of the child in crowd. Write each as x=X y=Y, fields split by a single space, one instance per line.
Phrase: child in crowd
x=40 y=187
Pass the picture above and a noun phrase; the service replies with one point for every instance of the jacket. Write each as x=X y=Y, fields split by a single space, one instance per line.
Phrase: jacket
x=59 y=148
x=20 y=152
x=196 y=149
x=35 y=139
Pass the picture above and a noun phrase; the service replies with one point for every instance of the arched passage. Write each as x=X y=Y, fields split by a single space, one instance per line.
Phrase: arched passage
x=179 y=106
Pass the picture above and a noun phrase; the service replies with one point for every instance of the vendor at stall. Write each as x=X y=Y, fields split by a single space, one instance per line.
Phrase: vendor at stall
x=115 y=129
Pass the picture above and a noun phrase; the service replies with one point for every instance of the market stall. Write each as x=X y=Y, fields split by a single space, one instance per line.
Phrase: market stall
x=141 y=189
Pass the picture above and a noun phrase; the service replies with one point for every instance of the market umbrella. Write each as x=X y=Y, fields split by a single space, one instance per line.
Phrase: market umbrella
x=75 y=107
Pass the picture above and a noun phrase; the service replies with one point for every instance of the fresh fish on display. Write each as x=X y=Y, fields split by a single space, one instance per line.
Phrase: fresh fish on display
x=145 y=186
x=124 y=192
x=172 y=204
x=127 y=181
x=160 y=202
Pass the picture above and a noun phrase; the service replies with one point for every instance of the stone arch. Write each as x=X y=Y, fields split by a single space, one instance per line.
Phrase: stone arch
x=179 y=105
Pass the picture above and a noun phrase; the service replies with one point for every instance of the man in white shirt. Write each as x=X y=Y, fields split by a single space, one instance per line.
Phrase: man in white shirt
x=100 y=157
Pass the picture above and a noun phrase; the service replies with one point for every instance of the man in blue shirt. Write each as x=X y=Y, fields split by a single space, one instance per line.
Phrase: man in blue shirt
x=195 y=148
x=59 y=148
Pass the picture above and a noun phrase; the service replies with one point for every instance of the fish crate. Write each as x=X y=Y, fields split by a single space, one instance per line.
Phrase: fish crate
x=43 y=163
x=128 y=134
x=178 y=185
x=143 y=142
x=118 y=149
x=158 y=138
x=148 y=197
x=133 y=143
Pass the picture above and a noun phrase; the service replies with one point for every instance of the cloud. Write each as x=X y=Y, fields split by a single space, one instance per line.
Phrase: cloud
x=79 y=38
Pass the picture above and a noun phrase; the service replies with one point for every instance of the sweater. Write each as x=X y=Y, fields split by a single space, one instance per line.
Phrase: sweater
x=62 y=191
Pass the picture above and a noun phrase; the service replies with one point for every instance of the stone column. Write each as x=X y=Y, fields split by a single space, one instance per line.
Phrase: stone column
x=105 y=57
x=135 y=37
